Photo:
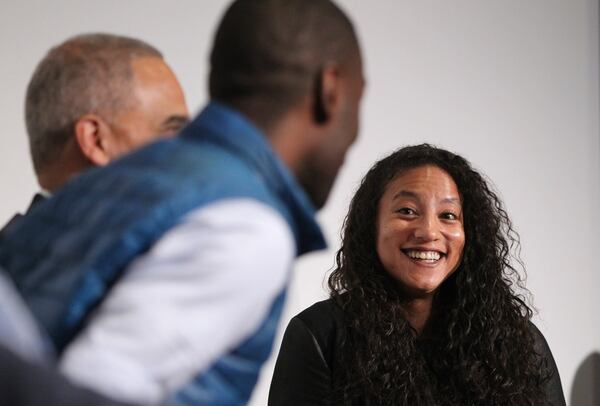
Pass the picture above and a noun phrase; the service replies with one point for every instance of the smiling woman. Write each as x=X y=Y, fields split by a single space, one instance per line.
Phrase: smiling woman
x=421 y=236
x=424 y=308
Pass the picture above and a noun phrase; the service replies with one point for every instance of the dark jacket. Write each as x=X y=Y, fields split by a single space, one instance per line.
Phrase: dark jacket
x=303 y=372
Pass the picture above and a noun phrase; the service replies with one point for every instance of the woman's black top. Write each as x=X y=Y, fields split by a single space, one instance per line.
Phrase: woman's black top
x=306 y=360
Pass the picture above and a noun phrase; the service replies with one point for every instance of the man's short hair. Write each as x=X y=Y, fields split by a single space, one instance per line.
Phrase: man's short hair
x=269 y=52
x=88 y=73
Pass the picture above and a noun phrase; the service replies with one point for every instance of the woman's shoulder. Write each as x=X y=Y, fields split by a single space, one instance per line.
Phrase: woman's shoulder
x=541 y=345
x=553 y=388
x=321 y=314
x=323 y=320
x=306 y=360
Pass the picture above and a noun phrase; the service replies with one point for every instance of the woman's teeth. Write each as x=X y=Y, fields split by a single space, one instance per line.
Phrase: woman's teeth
x=424 y=255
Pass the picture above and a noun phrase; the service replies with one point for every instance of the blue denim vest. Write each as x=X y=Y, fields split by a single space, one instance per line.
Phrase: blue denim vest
x=69 y=250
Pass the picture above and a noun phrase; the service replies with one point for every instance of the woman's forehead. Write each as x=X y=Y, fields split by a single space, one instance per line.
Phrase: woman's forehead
x=426 y=180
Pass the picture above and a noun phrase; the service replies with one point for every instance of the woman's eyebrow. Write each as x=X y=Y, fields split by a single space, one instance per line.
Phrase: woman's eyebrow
x=408 y=193
x=454 y=200
x=405 y=193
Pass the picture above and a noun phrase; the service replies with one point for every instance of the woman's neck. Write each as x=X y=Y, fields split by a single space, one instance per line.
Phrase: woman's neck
x=418 y=312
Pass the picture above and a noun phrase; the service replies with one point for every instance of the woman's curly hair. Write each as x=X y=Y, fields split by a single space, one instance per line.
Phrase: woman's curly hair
x=480 y=345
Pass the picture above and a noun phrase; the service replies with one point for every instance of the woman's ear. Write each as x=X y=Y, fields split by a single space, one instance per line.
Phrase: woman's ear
x=93 y=137
x=326 y=93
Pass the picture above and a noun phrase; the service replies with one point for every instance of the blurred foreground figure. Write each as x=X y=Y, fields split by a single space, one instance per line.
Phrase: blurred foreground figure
x=94 y=98
x=161 y=277
x=26 y=375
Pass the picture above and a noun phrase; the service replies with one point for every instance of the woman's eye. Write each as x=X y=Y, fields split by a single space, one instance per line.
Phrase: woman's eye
x=406 y=211
x=449 y=216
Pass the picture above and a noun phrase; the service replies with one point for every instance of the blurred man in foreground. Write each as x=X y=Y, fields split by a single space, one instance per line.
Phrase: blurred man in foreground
x=163 y=275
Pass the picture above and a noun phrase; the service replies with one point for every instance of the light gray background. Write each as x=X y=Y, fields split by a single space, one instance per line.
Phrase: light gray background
x=510 y=84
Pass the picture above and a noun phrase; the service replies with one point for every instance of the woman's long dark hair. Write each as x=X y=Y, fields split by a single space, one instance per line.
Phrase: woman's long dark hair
x=479 y=349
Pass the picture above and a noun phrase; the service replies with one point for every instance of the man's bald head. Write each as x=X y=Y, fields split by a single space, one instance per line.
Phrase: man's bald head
x=267 y=54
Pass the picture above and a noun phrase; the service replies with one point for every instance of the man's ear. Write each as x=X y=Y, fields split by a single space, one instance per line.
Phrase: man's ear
x=92 y=134
x=326 y=93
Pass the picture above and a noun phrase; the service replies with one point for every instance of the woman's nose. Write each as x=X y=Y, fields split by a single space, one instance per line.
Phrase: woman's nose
x=427 y=229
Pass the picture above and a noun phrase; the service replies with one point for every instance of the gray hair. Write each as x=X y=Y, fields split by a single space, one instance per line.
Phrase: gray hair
x=89 y=73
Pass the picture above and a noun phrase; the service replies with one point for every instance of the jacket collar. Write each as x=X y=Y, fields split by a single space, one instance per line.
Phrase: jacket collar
x=229 y=128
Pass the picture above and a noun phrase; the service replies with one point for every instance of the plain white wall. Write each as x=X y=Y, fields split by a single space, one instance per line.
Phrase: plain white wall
x=511 y=85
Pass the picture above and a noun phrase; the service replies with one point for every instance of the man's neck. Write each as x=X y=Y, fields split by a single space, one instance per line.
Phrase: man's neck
x=71 y=162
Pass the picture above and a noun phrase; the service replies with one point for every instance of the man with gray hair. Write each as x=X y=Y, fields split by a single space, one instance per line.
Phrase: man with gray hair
x=91 y=99
x=94 y=98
